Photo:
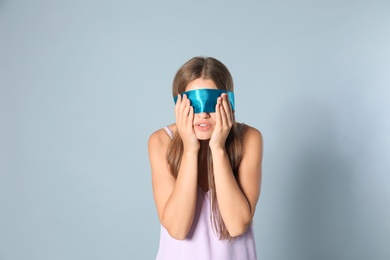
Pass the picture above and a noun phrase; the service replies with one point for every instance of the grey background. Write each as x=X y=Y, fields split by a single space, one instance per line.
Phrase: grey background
x=84 y=84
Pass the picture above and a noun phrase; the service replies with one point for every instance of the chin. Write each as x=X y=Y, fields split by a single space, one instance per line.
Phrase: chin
x=203 y=136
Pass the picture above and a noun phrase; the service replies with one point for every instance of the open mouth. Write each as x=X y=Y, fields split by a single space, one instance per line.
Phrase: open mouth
x=202 y=127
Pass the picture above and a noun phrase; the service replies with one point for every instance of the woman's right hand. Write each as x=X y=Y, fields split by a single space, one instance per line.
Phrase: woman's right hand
x=184 y=123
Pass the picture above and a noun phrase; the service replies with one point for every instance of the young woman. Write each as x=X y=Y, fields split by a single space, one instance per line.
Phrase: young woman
x=206 y=169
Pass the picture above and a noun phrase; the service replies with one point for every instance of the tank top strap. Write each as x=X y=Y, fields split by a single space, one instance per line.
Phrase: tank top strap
x=240 y=127
x=168 y=131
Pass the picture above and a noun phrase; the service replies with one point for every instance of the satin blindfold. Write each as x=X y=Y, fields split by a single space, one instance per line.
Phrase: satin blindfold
x=205 y=100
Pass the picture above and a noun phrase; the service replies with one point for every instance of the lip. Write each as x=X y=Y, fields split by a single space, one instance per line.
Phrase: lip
x=203 y=127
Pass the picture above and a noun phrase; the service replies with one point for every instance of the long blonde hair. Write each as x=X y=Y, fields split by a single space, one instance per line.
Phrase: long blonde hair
x=212 y=69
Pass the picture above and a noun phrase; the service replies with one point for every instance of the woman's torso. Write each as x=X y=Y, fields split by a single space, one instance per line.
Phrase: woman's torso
x=202 y=242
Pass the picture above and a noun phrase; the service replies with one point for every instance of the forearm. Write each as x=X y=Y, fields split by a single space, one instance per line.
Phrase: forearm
x=180 y=208
x=233 y=205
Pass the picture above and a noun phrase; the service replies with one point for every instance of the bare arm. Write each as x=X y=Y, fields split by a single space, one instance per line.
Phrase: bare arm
x=176 y=198
x=237 y=198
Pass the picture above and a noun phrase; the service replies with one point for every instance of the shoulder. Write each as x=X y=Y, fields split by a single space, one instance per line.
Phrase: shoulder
x=252 y=141
x=250 y=134
x=160 y=138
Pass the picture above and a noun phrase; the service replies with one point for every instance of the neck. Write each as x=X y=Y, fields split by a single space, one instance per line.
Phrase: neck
x=204 y=146
x=203 y=165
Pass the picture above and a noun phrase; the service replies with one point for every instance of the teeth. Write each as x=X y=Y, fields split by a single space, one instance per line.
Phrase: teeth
x=202 y=125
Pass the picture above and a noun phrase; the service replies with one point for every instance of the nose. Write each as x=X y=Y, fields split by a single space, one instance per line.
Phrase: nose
x=203 y=115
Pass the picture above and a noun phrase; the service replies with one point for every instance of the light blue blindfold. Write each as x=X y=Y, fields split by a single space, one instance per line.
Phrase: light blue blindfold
x=205 y=100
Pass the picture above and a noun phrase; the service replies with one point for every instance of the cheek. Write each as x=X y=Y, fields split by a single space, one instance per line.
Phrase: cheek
x=213 y=117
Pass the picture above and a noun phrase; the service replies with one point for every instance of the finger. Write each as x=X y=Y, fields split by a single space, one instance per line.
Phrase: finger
x=218 y=112
x=224 y=108
x=182 y=111
x=226 y=103
x=178 y=102
x=177 y=108
x=228 y=109
x=186 y=106
x=223 y=113
x=190 y=117
x=181 y=105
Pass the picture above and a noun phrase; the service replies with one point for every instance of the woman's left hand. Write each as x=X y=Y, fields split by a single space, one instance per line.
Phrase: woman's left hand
x=224 y=122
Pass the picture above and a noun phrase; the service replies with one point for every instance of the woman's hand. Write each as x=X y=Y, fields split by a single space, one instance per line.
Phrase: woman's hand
x=184 y=122
x=224 y=122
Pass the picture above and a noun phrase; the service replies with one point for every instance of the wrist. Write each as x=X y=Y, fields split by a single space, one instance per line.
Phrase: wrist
x=191 y=145
x=217 y=149
x=191 y=150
